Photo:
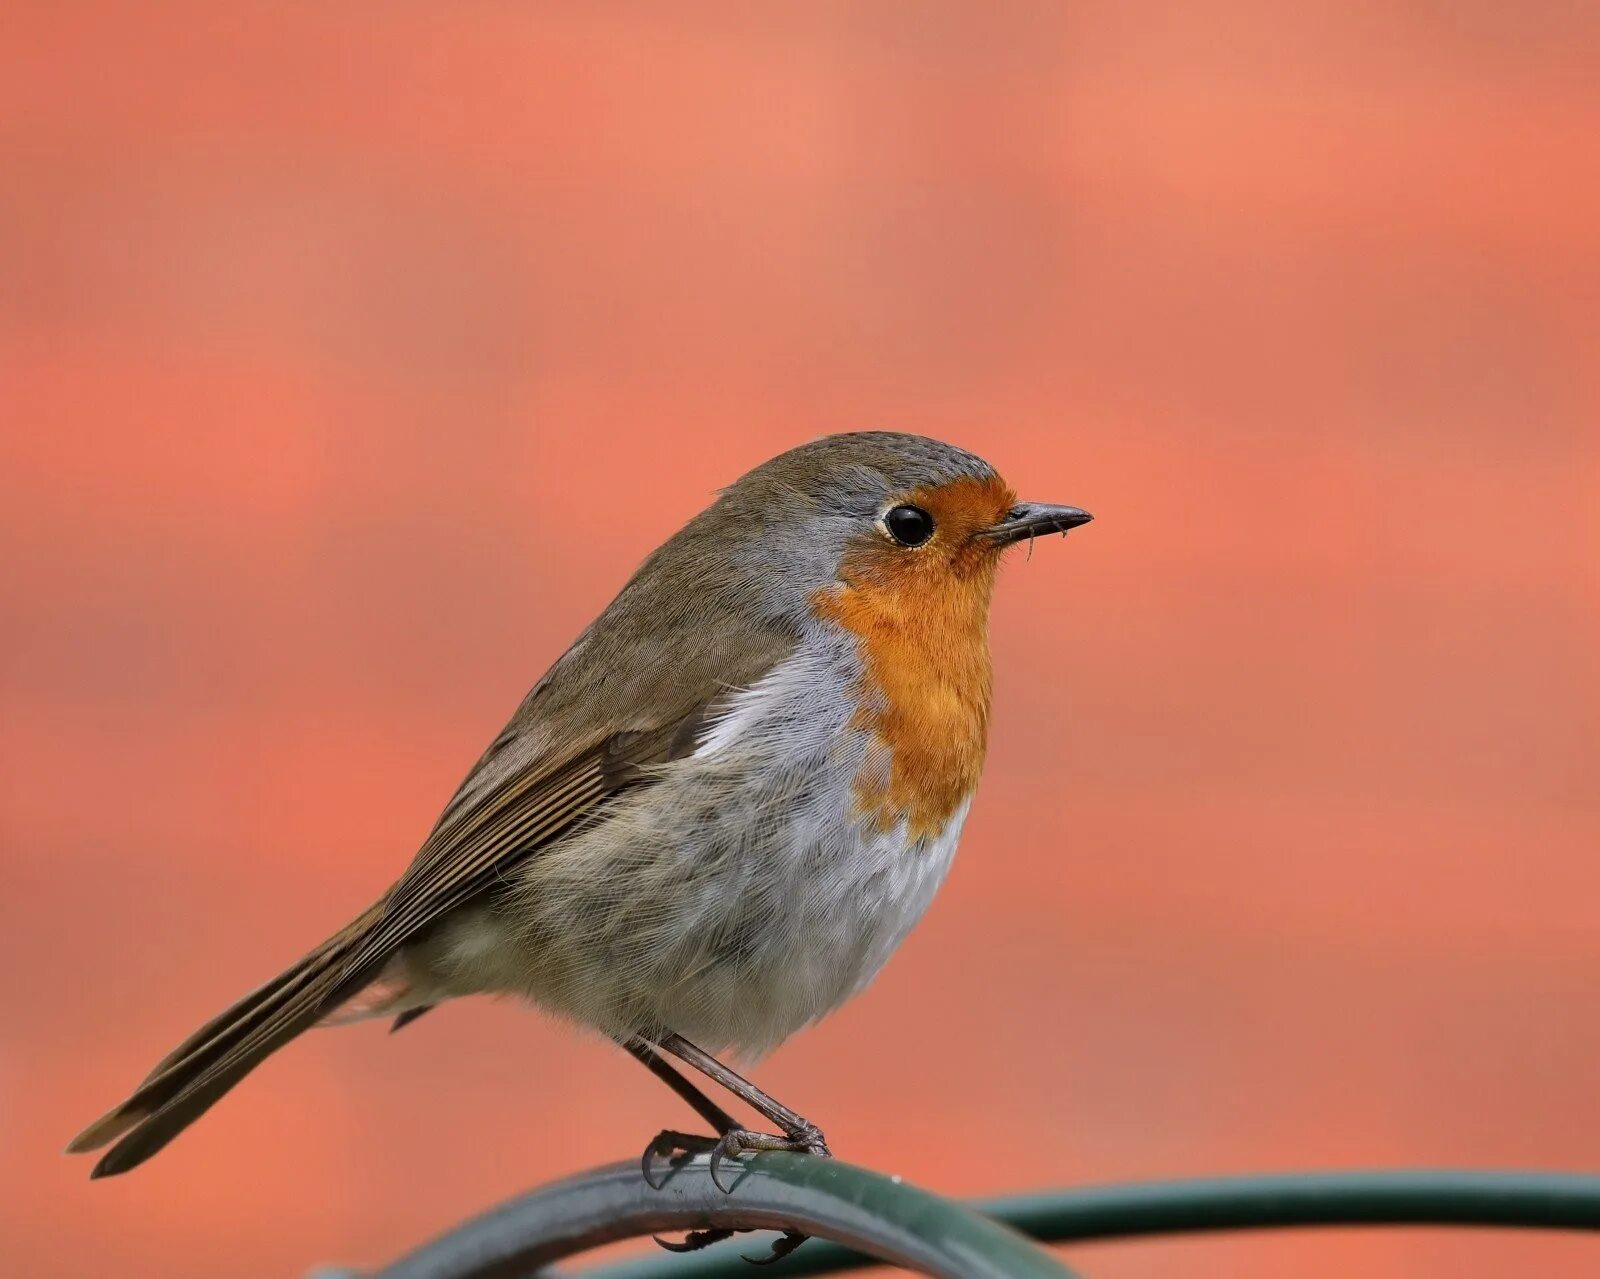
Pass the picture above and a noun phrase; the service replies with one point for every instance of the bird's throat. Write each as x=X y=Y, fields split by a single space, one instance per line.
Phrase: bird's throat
x=924 y=695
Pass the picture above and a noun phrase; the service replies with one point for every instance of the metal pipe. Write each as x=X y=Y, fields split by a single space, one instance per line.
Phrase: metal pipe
x=872 y=1215
x=1532 y=1200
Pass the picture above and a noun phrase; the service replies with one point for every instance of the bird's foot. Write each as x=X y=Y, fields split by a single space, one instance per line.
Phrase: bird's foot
x=677 y=1148
x=695 y=1240
x=739 y=1141
x=805 y=1140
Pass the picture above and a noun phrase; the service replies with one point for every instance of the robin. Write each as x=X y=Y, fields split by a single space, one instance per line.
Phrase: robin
x=714 y=818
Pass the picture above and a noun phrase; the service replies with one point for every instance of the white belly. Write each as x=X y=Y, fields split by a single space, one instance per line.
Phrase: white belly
x=843 y=926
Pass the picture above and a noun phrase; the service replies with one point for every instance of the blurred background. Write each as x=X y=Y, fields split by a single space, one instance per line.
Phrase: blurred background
x=351 y=356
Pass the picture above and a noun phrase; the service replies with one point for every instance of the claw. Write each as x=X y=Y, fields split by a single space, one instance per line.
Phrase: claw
x=694 y=1240
x=782 y=1246
x=647 y=1161
x=667 y=1143
x=720 y=1153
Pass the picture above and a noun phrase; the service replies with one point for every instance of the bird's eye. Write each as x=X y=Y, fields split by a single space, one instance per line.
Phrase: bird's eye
x=909 y=525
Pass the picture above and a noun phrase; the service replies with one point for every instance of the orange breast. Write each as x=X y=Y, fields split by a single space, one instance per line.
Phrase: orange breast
x=921 y=619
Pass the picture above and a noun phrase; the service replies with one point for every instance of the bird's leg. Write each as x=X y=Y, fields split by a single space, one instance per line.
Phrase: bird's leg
x=668 y=1142
x=702 y=1105
x=799 y=1133
x=795 y=1125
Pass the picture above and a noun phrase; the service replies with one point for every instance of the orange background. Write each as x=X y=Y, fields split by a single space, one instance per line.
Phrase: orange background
x=351 y=356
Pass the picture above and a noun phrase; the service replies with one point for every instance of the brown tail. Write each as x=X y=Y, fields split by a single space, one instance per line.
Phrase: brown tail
x=186 y=1082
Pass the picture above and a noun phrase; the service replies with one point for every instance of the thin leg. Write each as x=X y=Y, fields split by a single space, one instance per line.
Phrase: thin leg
x=795 y=1125
x=668 y=1142
x=799 y=1134
x=702 y=1105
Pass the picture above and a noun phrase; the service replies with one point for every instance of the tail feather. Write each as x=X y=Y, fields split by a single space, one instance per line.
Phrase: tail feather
x=312 y=974
x=227 y=1024
x=410 y=1015
x=188 y=1080
x=153 y=1129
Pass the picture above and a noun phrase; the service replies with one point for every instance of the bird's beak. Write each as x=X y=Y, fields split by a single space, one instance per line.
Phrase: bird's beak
x=1035 y=519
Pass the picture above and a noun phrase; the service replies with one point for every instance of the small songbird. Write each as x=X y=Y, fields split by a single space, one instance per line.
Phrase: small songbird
x=718 y=813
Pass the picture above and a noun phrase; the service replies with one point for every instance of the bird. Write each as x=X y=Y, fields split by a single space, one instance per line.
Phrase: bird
x=713 y=819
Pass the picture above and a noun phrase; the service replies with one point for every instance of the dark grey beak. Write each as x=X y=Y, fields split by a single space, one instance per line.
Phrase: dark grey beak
x=1035 y=519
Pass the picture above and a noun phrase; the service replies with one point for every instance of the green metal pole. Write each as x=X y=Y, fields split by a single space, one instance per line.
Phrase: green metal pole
x=1560 y=1201
x=876 y=1216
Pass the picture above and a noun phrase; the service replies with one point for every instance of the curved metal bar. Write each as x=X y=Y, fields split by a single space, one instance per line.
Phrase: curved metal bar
x=877 y=1216
x=1532 y=1200
x=1549 y=1201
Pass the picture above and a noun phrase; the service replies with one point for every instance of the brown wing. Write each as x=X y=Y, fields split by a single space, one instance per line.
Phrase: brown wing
x=474 y=846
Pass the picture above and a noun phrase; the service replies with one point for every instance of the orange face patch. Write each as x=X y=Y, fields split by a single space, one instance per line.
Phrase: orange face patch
x=921 y=615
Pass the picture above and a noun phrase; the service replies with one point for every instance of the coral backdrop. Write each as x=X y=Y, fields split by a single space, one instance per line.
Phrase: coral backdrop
x=352 y=355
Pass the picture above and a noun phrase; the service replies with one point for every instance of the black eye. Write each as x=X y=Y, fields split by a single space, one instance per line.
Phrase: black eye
x=909 y=525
